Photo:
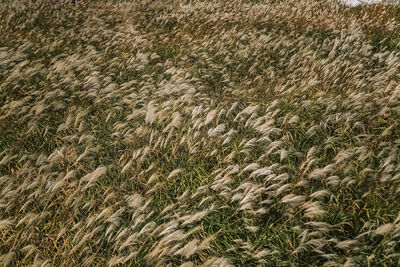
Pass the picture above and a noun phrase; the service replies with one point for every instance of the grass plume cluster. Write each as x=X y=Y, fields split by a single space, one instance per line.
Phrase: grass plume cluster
x=212 y=133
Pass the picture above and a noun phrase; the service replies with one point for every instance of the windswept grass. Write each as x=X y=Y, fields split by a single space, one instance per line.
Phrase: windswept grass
x=212 y=133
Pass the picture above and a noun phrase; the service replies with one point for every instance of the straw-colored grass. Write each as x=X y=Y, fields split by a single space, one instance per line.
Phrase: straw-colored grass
x=212 y=133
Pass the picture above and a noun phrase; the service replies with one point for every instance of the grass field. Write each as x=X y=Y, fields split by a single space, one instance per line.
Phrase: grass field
x=213 y=133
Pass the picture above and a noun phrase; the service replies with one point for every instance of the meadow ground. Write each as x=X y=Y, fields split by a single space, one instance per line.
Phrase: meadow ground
x=213 y=133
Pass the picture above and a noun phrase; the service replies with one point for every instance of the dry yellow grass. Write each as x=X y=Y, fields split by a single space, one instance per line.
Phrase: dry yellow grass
x=211 y=133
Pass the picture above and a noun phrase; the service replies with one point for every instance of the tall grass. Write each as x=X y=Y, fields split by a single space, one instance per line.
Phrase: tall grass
x=214 y=133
